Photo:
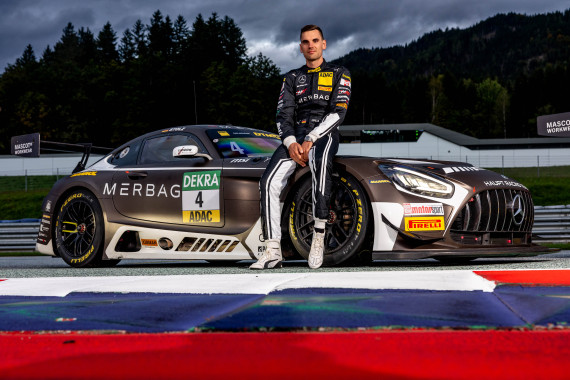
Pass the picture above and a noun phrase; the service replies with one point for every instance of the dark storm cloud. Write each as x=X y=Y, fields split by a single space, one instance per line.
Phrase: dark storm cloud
x=270 y=27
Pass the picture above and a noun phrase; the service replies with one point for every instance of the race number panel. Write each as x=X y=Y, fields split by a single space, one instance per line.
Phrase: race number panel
x=201 y=197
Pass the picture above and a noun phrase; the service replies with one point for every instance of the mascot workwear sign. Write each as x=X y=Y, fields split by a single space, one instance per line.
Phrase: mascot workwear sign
x=554 y=125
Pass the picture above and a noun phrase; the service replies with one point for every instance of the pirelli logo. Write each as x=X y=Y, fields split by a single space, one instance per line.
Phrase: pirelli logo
x=427 y=223
x=323 y=88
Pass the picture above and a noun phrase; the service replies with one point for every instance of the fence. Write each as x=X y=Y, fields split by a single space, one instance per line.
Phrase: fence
x=551 y=225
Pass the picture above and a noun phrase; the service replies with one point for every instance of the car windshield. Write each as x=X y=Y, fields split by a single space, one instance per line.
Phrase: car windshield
x=232 y=143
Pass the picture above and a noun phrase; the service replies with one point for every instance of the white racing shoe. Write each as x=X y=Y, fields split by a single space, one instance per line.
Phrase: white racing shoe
x=317 y=250
x=272 y=258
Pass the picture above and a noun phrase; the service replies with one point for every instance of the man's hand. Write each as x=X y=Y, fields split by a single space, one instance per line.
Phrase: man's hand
x=306 y=147
x=296 y=153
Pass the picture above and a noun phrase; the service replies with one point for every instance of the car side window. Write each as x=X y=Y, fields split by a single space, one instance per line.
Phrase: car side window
x=159 y=149
x=127 y=155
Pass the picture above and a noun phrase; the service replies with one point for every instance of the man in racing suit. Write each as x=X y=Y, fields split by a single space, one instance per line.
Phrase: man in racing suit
x=312 y=104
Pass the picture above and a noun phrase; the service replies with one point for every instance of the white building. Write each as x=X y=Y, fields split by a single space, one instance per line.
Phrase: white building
x=429 y=141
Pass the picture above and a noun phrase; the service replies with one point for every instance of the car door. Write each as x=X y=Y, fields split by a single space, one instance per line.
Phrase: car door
x=161 y=188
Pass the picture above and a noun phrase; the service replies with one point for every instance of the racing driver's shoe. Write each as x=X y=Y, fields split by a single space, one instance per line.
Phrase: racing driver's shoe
x=272 y=258
x=317 y=250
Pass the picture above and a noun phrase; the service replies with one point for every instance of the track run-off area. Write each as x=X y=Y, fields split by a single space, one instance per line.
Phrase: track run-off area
x=491 y=318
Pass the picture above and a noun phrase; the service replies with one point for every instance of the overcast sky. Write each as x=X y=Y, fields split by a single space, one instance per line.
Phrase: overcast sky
x=269 y=26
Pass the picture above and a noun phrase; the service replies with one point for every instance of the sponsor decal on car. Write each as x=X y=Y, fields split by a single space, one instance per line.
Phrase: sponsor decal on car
x=175 y=129
x=426 y=223
x=223 y=133
x=84 y=173
x=504 y=183
x=423 y=209
x=456 y=169
x=149 y=242
x=140 y=190
x=376 y=181
x=270 y=135
x=201 y=197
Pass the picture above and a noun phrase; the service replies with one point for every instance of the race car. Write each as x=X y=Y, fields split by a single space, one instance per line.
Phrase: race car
x=192 y=193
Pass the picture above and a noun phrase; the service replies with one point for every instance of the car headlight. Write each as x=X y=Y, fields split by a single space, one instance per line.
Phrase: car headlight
x=417 y=182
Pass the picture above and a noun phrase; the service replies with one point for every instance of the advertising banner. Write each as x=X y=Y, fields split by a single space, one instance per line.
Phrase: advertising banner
x=556 y=125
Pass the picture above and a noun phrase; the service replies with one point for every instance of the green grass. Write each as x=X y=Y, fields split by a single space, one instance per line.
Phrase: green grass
x=17 y=203
x=551 y=188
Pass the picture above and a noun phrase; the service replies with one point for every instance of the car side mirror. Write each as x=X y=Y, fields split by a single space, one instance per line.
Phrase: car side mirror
x=189 y=151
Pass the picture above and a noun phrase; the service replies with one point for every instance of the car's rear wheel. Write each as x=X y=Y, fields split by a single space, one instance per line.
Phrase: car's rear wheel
x=79 y=231
x=346 y=228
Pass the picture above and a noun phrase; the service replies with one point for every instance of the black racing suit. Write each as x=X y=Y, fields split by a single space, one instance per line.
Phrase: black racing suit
x=312 y=102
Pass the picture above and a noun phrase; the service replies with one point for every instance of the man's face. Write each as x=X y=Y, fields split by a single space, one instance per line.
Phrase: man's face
x=312 y=45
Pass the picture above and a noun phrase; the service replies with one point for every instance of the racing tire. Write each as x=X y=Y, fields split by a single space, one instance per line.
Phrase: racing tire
x=345 y=233
x=79 y=231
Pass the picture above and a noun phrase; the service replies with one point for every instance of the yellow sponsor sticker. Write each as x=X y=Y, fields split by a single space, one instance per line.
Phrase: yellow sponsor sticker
x=201 y=216
x=83 y=173
x=322 y=88
x=325 y=79
x=223 y=133
x=427 y=223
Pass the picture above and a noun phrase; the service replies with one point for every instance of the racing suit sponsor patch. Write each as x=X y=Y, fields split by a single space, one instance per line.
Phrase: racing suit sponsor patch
x=325 y=79
x=201 y=197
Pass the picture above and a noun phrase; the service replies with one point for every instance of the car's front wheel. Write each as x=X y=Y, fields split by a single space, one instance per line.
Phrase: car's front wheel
x=345 y=235
x=79 y=230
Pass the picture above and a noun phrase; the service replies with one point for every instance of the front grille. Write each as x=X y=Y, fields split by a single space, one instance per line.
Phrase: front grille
x=494 y=216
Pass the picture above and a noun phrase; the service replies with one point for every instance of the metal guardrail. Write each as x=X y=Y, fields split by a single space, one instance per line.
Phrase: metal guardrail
x=18 y=236
x=551 y=225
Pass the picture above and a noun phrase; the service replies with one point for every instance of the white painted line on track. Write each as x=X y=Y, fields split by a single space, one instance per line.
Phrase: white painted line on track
x=251 y=283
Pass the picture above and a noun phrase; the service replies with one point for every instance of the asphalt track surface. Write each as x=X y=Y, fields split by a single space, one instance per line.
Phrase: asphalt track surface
x=493 y=318
x=40 y=266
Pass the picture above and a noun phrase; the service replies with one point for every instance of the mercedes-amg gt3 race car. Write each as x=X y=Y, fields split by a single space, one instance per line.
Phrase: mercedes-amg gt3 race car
x=192 y=192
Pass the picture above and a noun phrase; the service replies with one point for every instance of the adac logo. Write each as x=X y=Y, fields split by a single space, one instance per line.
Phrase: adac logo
x=427 y=223
x=325 y=79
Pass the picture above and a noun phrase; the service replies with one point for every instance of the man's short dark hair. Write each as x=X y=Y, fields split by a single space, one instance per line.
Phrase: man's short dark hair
x=307 y=28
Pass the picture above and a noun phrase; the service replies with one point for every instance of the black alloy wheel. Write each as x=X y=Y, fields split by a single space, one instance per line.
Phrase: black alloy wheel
x=346 y=228
x=79 y=231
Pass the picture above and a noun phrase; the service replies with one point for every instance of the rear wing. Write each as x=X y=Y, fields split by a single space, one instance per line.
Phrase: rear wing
x=31 y=144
